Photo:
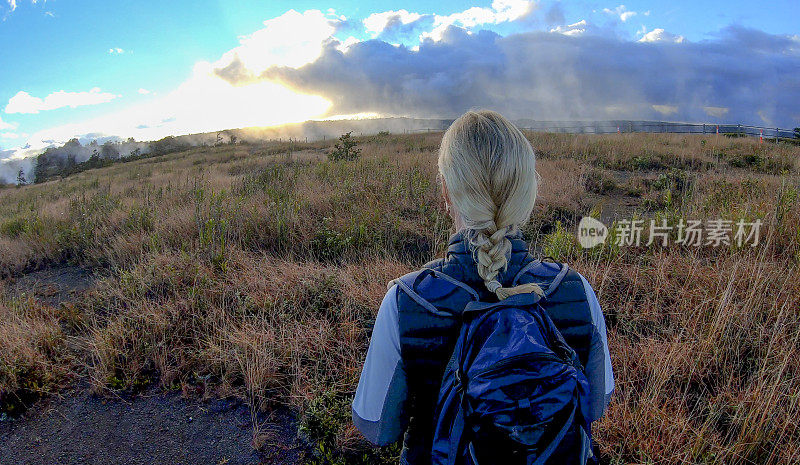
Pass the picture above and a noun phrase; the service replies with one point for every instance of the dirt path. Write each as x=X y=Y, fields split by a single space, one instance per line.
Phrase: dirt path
x=80 y=428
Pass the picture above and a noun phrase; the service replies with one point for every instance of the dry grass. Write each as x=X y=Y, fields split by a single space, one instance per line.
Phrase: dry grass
x=34 y=359
x=249 y=271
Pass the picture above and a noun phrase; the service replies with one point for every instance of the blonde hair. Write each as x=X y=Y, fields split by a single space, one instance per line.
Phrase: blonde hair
x=489 y=168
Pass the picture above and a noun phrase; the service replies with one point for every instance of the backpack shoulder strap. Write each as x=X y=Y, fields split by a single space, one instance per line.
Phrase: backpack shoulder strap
x=548 y=275
x=429 y=286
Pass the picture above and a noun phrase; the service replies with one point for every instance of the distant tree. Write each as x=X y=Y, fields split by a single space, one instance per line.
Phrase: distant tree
x=72 y=144
x=166 y=145
x=109 y=151
x=345 y=149
x=21 y=178
x=219 y=138
x=233 y=139
x=797 y=133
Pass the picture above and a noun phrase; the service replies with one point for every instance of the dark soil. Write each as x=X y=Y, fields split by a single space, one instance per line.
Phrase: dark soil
x=151 y=429
x=53 y=285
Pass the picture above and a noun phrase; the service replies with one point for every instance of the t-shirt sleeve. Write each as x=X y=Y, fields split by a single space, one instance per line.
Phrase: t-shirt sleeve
x=379 y=404
x=598 y=369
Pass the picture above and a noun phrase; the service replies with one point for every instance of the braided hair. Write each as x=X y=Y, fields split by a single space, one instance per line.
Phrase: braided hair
x=489 y=169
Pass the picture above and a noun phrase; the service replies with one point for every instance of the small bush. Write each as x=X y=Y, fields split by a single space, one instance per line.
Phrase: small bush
x=345 y=149
x=599 y=182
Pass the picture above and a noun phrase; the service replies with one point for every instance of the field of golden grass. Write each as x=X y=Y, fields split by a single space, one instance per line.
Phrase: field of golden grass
x=257 y=270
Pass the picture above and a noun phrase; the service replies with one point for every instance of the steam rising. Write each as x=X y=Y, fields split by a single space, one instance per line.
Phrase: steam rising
x=80 y=150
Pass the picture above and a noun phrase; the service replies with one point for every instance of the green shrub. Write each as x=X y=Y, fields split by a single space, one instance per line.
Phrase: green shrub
x=560 y=243
x=599 y=182
x=345 y=149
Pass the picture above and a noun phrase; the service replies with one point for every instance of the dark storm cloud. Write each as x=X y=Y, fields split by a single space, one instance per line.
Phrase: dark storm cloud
x=545 y=76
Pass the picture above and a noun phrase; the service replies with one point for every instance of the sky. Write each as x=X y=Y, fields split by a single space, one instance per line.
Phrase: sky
x=93 y=69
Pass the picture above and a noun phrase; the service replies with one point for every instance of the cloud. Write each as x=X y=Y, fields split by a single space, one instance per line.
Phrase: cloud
x=376 y=23
x=343 y=46
x=143 y=91
x=576 y=71
x=666 y=110
x=9 y=135
x=12 y=5
x=622 y=12
x=574 y=29
x=117 y=51
x=23 y=102
x=501 y=11
x=292 y=39
x=660 y=35
x=5 y=125
x=548 y=76
x=716 y=112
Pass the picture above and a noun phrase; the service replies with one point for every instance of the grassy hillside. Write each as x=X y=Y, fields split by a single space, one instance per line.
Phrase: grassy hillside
x=257 y=270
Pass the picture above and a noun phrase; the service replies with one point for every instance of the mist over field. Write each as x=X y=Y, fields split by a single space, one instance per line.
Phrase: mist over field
x=113 y=148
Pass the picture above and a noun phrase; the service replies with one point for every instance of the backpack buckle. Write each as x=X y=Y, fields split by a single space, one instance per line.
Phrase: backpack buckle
x=460 y=378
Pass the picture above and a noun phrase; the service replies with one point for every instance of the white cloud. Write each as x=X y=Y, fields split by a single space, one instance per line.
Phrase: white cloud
x=623 y=13
x=717 y=112
x=12 y=5
x=574 y=29
x=5 y=125
x=143 y=91
x=116 y=51
x=666 y=109
x=23 y=102
x=348 y=42
x=660 y=35
x=9 y=135
x=377 y=22
x=292 y=39
x=501 y=11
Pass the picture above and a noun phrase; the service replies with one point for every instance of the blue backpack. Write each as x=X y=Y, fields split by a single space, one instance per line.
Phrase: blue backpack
x=512 y=390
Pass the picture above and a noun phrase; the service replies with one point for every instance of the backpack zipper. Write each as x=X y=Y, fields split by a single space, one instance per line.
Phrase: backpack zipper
x=543 y=356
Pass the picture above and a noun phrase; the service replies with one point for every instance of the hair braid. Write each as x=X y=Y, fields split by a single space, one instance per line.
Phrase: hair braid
x=488 y=167
x=492 y=247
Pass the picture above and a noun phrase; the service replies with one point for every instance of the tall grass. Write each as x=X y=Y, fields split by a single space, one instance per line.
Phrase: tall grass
x=252 y=272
